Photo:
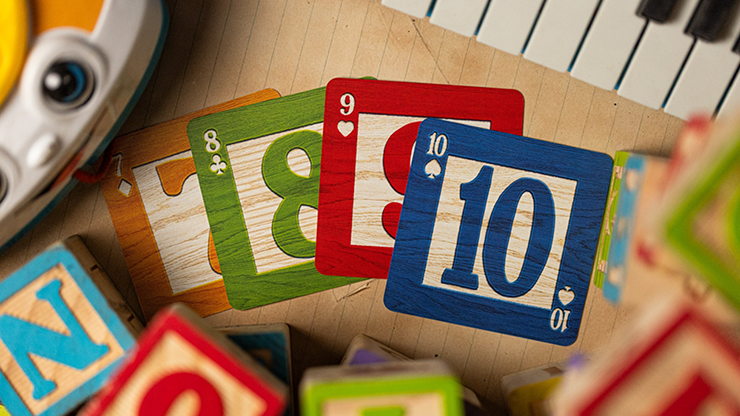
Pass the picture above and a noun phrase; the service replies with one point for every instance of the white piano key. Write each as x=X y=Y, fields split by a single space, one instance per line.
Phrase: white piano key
x=460 y=16
x=416 y=8
x=609 y=43
x=705 y=76
x=507 y=24
x=658 y=58
x=731 y=104
x=559 y=30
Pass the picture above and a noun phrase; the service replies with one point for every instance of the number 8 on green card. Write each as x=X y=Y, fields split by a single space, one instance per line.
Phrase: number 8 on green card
x=258 y=168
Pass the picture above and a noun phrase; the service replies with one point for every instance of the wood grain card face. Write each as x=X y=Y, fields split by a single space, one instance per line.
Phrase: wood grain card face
x=368 y=140
x=59 y=339
x=683 y=366
x=177 y=370
x=183 y=207
x=498 y=232
x=155 y=202
x=705 y=224
x=258 y=168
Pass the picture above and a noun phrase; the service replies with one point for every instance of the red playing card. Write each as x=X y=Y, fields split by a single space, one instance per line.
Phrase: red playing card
x=369 y=131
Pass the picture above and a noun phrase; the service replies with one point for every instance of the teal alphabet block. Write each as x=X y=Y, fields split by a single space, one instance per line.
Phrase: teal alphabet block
x=63 y=329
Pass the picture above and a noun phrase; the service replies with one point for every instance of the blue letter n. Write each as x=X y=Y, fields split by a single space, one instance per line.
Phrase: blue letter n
x=75 y=350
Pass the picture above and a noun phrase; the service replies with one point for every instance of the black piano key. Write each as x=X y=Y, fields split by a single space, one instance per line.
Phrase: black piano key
x=656 y=10
x=709 y=19
x=736 y=48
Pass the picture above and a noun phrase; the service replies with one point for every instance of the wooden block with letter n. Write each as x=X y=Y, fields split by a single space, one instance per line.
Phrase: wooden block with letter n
x=498 y=232
x=63 y=329
x=182 y=366
x=414 y=388
x=258 y=168
x=157 y=209
x=270 y=346
x=370 y=131
x=672 y=361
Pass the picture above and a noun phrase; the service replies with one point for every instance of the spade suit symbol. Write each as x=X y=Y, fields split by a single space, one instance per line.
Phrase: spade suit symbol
x=432 y=169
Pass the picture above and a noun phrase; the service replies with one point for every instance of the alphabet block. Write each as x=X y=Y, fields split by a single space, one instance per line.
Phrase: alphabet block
x=640 y=266
x=703 y=224
x=673 y=361
x=494 y=234
x=182 y=364
x=527 y=392
x=157 y=209
x=270 y=346
x=63 y=329
x=425 y=387
x=607 y=225
x=365 y=350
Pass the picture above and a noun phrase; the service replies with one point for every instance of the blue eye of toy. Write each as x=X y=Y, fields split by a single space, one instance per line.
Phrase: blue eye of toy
x=68 y=84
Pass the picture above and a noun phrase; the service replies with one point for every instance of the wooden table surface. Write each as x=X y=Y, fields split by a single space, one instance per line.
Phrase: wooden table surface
x=217 y=50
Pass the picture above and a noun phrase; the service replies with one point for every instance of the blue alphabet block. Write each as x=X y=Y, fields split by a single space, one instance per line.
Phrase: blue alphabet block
x=63 y=329
x=270 y=346
x=498 y=232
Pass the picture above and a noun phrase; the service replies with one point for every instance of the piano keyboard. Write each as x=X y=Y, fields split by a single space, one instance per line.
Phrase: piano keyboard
x=682 y=55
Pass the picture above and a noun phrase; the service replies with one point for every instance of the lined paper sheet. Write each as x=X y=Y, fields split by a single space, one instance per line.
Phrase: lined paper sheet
x=217 y=50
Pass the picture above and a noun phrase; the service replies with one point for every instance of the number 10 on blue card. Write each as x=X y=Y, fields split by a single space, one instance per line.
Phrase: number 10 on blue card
x=498 y=232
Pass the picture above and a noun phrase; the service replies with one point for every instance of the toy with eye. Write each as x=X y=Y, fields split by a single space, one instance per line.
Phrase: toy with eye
x=70 y=73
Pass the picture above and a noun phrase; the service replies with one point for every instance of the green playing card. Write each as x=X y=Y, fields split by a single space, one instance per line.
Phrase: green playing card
x=258 y=168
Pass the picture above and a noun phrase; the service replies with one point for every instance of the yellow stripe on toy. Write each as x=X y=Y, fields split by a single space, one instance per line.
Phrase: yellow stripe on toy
x=13 y=42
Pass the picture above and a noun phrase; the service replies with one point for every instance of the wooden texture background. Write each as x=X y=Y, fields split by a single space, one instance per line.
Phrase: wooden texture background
x=220 y=49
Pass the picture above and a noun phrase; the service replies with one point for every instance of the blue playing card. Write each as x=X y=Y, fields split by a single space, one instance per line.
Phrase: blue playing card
x=498 y=232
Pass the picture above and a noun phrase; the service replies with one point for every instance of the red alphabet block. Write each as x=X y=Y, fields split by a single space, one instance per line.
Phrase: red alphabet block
x=673 y=362
x=182 y=365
